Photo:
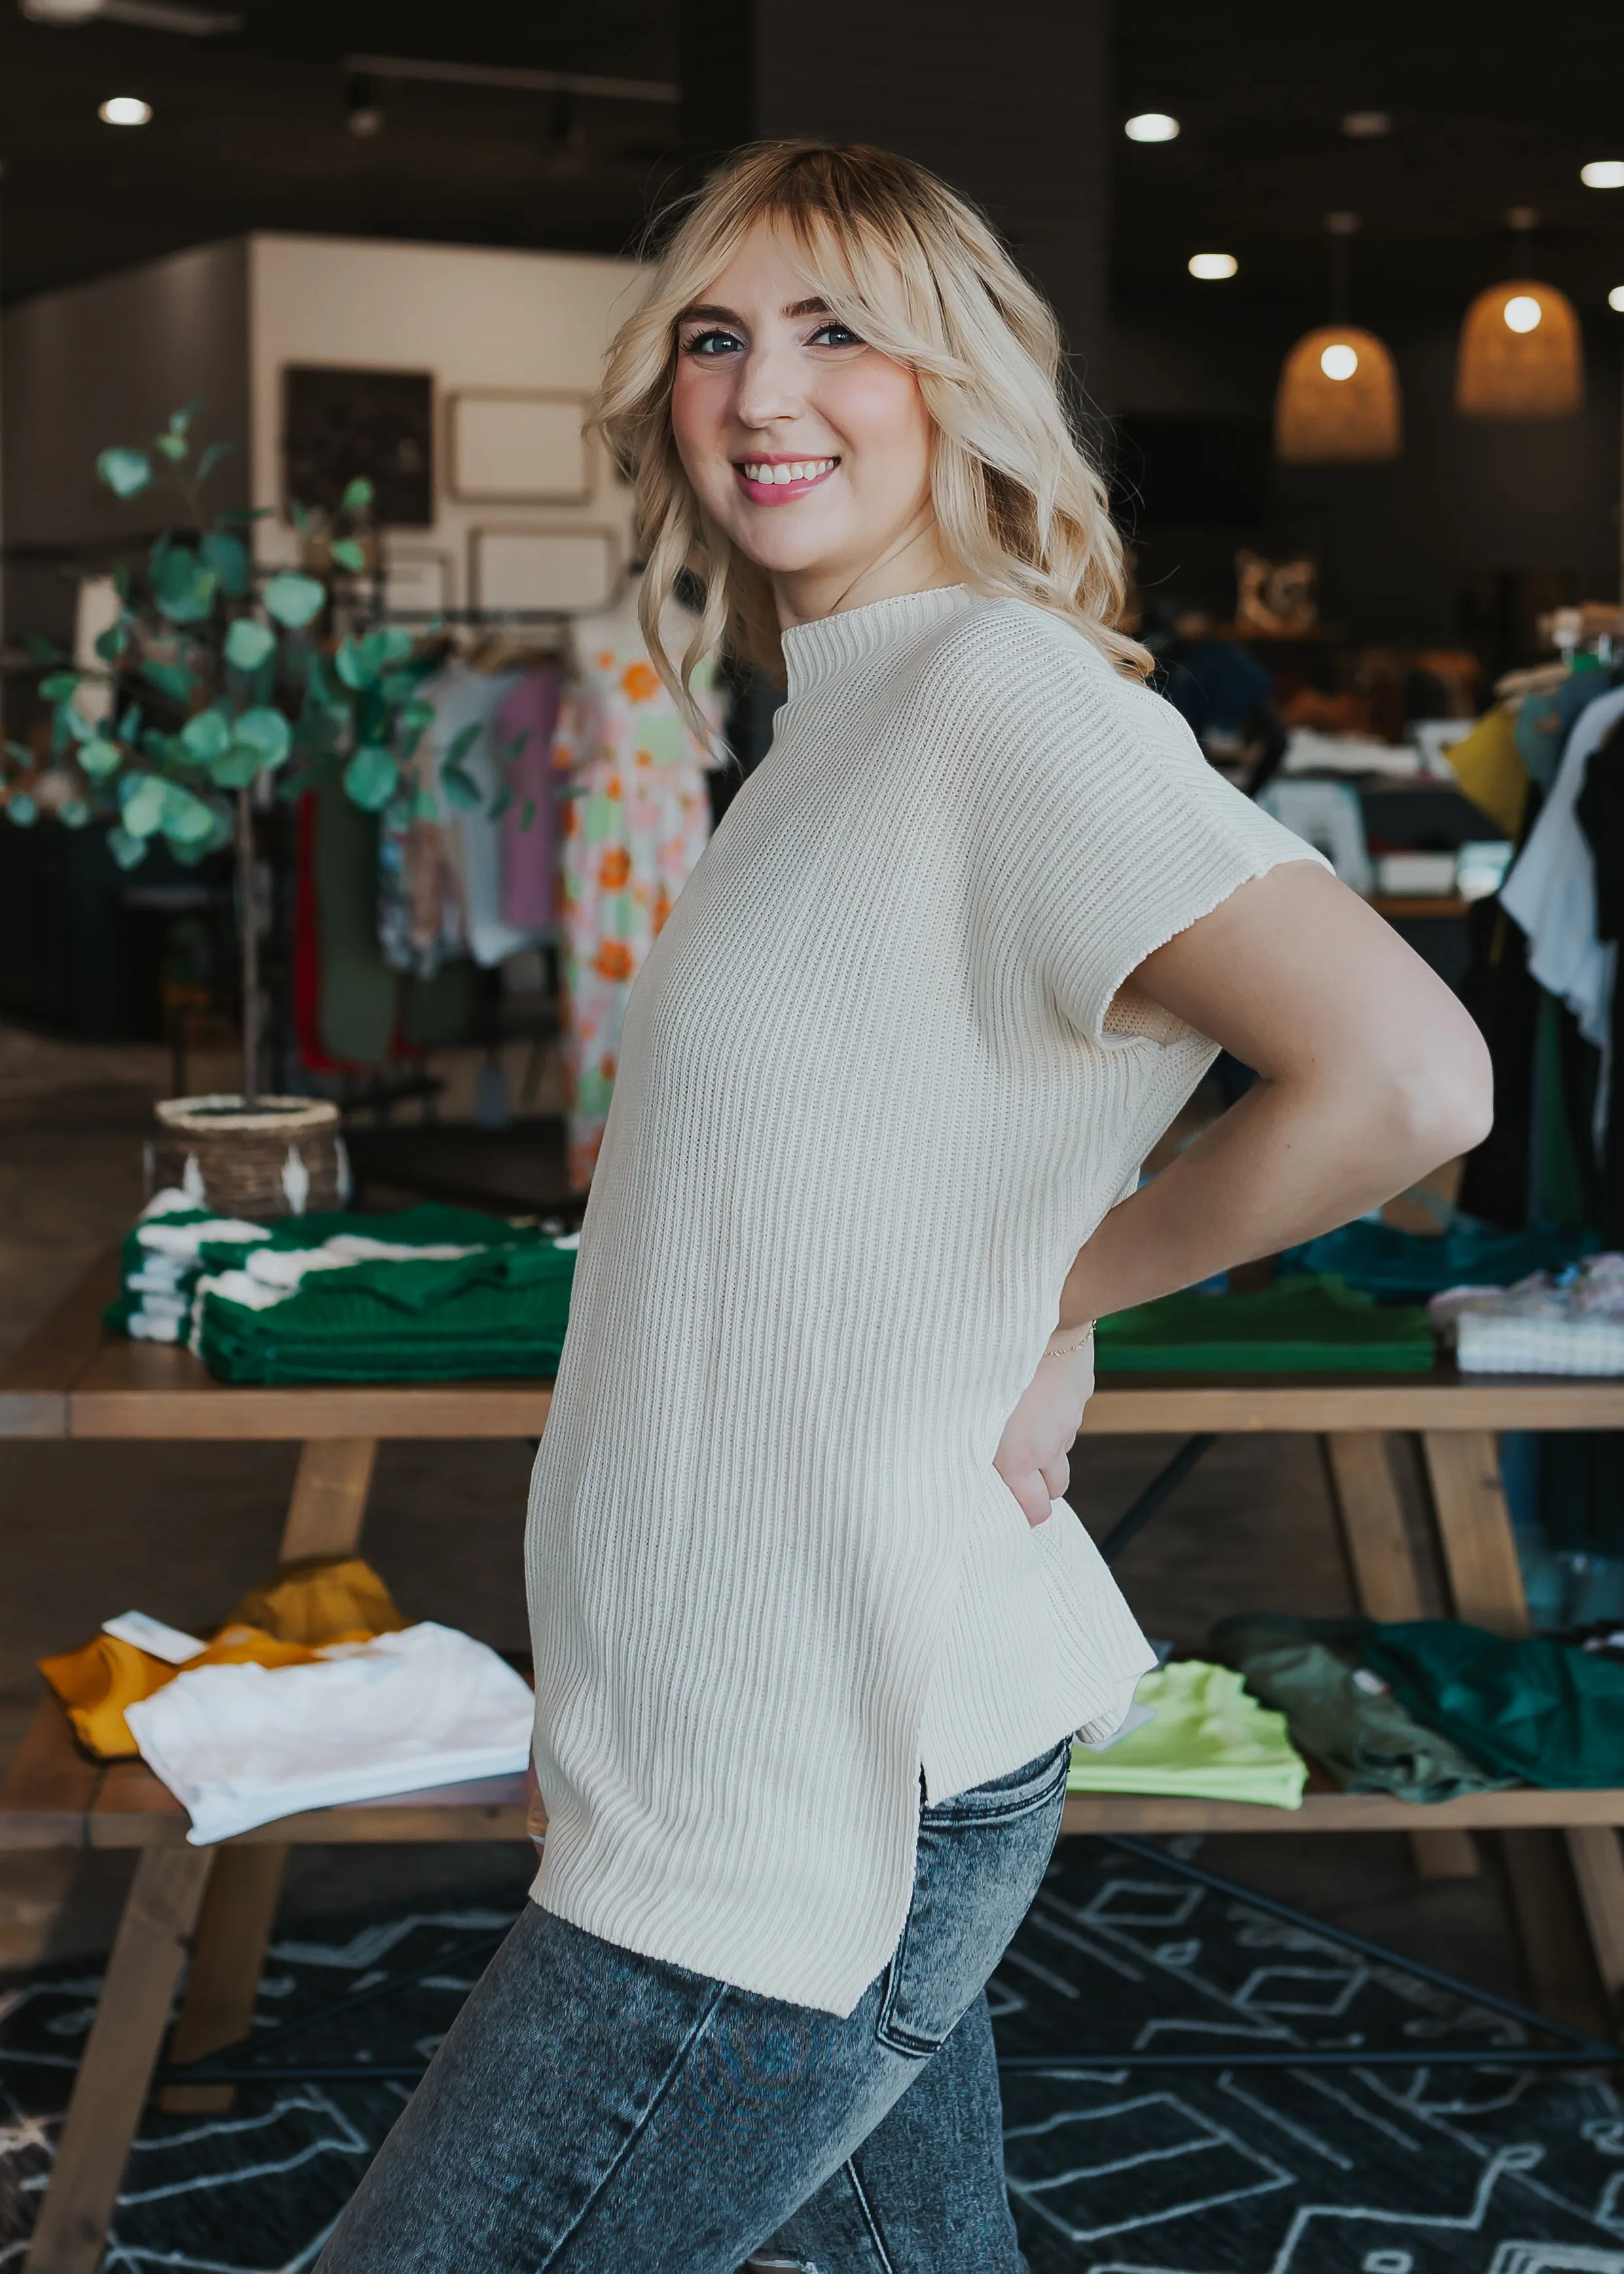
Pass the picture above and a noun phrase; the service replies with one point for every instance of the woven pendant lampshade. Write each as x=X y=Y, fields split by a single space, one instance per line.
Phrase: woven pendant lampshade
x=1338 y=402
x=1521 y=355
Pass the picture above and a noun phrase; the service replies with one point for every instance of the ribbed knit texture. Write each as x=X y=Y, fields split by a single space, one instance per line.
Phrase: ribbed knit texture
x=866 y=1111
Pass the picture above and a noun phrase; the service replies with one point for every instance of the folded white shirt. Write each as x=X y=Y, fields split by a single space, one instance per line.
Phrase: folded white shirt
x=242 y=1745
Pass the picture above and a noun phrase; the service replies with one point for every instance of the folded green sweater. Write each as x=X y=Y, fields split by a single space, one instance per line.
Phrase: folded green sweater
x=1298 y=1326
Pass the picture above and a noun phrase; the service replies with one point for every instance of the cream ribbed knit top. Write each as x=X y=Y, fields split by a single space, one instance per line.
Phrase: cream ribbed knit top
x=872 y=1098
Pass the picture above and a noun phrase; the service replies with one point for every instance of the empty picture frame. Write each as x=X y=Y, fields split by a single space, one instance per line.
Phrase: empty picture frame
x=527 y=570
x=514 y=446
x=339 y=423
x=415 y=583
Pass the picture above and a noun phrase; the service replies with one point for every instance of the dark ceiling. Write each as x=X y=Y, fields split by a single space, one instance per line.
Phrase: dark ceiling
x=1490 y=110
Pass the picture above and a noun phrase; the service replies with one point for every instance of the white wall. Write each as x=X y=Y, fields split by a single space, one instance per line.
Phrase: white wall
x=472 y=316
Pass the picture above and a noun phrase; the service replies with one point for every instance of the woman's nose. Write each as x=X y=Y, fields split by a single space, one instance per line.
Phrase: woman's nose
x=769 y=392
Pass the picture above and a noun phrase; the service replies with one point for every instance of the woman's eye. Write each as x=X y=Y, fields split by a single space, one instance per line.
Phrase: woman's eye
x=712 y=343
x=834 y=334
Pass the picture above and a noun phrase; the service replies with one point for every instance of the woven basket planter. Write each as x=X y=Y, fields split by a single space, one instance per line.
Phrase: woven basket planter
x=284 y=1157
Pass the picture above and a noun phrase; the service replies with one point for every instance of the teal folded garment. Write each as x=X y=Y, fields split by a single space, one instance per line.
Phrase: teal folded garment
x=1540 y=1710
x=1298 y=1326
x=1409 y=1266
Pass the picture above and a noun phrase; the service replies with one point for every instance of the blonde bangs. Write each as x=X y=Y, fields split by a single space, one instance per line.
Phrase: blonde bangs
x=921 y=275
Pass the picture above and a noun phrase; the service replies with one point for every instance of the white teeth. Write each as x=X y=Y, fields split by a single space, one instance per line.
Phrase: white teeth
x=778 y=477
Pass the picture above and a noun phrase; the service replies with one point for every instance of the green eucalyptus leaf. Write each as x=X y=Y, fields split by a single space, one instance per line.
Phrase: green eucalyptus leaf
x=186 y=820
x=20 y=809
x=227 y=556
x=141 y=814
x=182 y=586
x=349 y=554
x=212 y=457
x=99 y=757
x=355 y=663
x=236 y=768
x=461 y=794
x=206 y=736
x=369 y=777
x=112 y=644
x=172 y=446
x=74 y=723
x=357 y=495
x=121 y=580
x=61 y=687
x=128 y=851
x=294 y=600
x=74 y=814
x=181 y=419
x=130 y=725
x=268 y=733
x=249 y=642
x=125 y=472
x=461 y=743
x=171 y=679
x=500 y=804
x=527 y=813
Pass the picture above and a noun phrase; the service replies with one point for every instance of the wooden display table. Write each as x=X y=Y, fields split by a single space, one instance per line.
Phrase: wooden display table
x=71 y=1380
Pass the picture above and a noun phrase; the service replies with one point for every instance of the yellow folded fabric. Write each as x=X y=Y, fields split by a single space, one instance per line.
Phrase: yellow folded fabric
x=1210 y=1740
x=310 y=1606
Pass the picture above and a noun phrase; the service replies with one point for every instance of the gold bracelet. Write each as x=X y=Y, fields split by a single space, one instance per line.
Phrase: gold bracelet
x=1066 y=1342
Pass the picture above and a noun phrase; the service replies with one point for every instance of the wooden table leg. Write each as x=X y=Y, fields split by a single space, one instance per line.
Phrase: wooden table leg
x=137 y=1992
x=233 y=1929
x=325 y=1518
x=1387 y=1586
x=328 y=1506
x=1485 y=1580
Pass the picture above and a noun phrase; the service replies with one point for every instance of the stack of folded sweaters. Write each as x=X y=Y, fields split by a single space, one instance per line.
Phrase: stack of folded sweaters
x=431 y=1294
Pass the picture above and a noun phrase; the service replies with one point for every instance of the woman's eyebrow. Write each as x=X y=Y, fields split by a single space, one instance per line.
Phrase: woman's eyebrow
x=703 y=312
x=817 y=306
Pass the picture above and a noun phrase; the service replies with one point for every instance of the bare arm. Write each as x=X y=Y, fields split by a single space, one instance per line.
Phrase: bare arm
x=1370 y=1072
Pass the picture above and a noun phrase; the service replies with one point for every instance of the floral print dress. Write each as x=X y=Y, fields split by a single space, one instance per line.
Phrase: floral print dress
x=633 y=819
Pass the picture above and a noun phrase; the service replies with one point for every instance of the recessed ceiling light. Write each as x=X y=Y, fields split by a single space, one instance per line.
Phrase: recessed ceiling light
x=1368 y=125
x=1212 y=268
x=1603 y=174
x=1523 y=313
x=1615 y=298
x=1339 y=360
x=124 y=111
x=1152 y=126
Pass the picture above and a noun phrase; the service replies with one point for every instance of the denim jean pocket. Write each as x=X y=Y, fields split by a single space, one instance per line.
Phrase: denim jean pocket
x=981 y=1859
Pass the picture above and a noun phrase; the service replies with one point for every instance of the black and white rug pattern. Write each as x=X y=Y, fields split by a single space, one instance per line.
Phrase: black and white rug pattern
x=1113 y=2169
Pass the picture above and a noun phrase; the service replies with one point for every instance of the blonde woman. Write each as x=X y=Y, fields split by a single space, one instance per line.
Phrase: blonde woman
x=813 y=1628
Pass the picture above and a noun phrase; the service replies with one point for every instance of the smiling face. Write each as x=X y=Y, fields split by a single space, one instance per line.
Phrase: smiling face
x=809 y=448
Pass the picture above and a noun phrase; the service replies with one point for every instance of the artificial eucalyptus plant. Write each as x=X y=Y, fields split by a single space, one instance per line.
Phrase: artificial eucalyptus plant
x=218 y=685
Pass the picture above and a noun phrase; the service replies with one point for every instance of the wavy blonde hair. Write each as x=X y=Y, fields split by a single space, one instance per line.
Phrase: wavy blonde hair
x=916 y=270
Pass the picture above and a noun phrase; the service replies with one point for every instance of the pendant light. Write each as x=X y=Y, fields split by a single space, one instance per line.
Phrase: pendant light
x=1522 y=353
x=1338 y=399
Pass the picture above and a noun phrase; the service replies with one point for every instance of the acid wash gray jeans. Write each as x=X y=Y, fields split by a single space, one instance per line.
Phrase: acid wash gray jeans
x=595 y=2112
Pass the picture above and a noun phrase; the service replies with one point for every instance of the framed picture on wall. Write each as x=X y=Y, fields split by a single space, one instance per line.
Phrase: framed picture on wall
x=514 y=446
x=528 y=569
x=415 y=583
x=339 y=423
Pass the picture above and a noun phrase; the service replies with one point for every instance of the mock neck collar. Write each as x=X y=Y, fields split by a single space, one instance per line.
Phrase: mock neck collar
x=829 y=647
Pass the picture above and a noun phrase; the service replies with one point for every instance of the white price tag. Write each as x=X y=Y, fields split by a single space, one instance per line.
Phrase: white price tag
x=152 y=1636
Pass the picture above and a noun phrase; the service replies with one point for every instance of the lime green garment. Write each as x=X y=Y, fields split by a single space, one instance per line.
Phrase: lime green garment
x=1310 y=1325
x=1208 y=1741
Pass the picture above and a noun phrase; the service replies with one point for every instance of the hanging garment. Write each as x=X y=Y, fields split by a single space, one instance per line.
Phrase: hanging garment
x=636 y=816
x=462 y=698
x=1208 y=1740
x=1489 y=767
x=1344 y=1714
x=1407 y=1267
x=1550 y=891
x=1330 y=816
x=422 y=922
x=524 y=726
x=1546 y=717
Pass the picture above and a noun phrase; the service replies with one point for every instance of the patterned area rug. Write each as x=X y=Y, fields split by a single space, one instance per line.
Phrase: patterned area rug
x=1413 y=2169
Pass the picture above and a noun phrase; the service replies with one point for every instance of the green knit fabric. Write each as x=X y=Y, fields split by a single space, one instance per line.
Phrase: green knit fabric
x=1298 y=1326
x=1545 y=1712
